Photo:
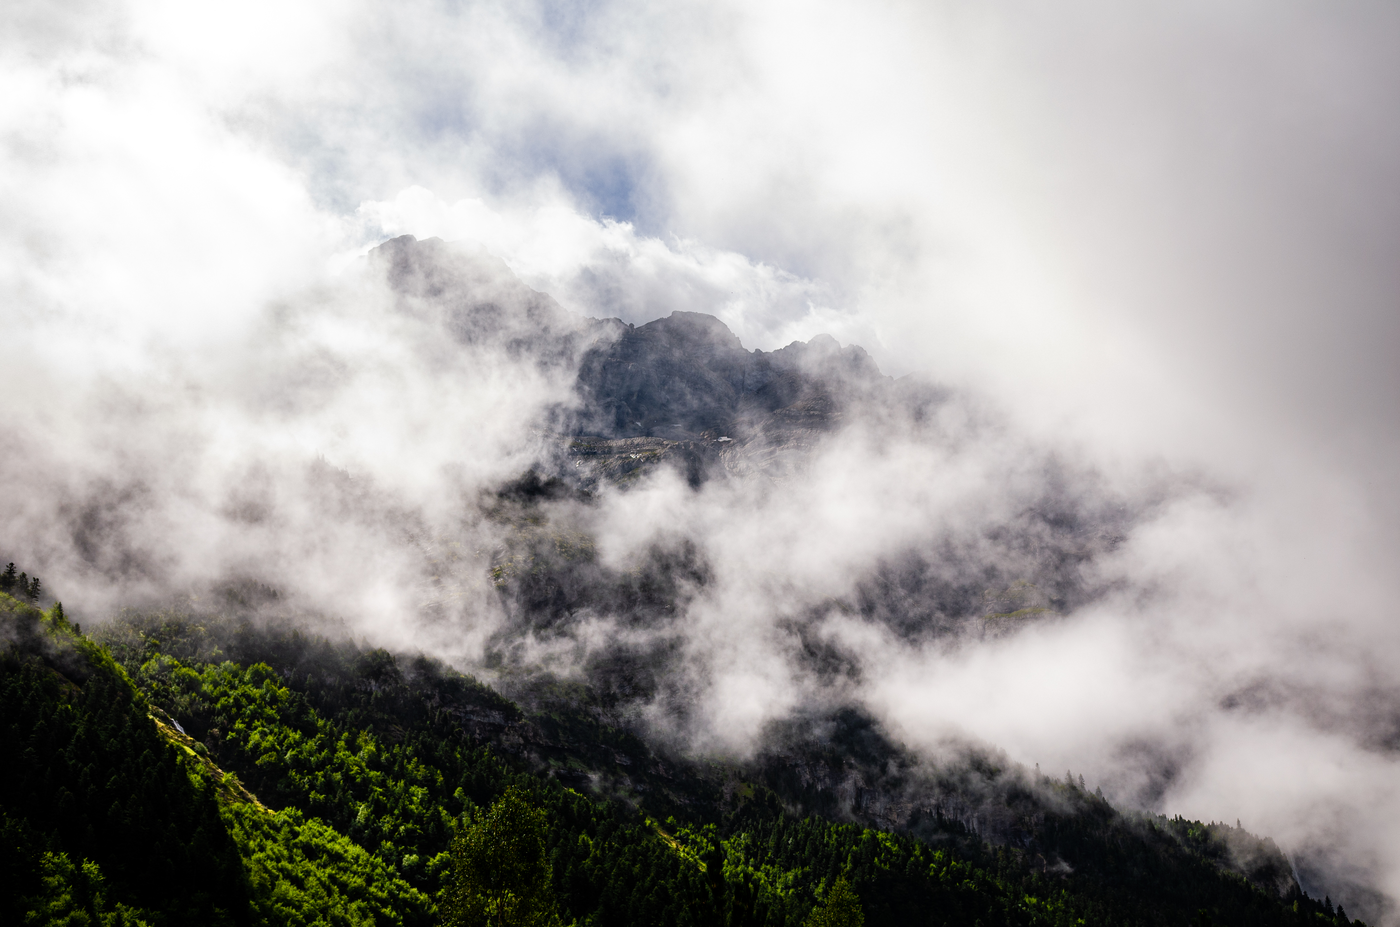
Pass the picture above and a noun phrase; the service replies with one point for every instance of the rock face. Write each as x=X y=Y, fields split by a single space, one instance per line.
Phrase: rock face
x=687 y=375
x=683 y=391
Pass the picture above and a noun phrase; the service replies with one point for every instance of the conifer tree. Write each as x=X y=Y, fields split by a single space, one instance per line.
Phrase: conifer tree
x=840 y=909
x=501 y=876
x=8 y=579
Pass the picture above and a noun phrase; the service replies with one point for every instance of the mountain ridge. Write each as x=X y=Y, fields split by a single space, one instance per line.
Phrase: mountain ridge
x=678 y=390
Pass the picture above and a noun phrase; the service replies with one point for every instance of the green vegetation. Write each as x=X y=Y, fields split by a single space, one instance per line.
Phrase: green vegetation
x=76 y=895
x=197 y=770
x=21 y=586
x=500 y=871
x=305 y=874
x=98 y=810
x=840 y=908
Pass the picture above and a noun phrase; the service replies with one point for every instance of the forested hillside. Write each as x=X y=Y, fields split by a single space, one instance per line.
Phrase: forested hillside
x=185 y=768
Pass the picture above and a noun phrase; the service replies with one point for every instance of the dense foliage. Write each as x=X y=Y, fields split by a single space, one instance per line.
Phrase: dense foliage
x=205 y=771
x=501 y=873
x=97 y=807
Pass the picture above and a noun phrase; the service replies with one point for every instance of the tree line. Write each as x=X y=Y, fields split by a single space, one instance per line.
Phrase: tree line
x=322 y=783
x=21 y=586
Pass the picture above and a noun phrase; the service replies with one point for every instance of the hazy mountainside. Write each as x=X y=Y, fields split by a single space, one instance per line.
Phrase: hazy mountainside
x=281 y=773
x=681 y=389
x=678 y=377
x=687 y=374
x=682 y=392
x=338 y=772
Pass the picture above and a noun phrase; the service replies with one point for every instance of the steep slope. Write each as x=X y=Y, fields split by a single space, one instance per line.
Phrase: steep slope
x=688 y=374
x=99 y=814
x=364 y=761
x=389 y=749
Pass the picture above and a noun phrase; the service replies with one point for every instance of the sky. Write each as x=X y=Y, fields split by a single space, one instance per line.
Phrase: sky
x=1158 y=237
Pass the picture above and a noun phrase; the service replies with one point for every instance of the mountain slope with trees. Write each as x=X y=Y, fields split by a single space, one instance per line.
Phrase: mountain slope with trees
x=197 y=768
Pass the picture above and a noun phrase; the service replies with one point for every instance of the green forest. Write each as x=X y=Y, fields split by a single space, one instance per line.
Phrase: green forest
x=194 y=769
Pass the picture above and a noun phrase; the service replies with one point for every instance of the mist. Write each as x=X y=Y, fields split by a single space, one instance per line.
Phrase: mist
x=1141 y=264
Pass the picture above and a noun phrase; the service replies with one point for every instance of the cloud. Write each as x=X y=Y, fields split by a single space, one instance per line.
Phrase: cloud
x=606 y=268
x=1208 y=655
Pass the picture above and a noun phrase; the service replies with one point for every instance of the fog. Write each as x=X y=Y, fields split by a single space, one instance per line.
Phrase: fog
x=1152 y=251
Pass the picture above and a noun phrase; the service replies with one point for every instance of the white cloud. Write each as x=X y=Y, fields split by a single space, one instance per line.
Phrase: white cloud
x=605 y=268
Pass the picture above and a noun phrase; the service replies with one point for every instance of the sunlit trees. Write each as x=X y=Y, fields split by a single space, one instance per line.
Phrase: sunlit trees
x=840 y=909
x=500 y=874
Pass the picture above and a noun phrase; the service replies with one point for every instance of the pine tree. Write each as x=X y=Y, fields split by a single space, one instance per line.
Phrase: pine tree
x=840 y=909
x=35 y=590
x=8 y=579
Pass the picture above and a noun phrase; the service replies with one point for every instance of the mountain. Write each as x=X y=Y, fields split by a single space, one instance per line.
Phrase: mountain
x=229 y=758
x=682 y=393
x=682 y=377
